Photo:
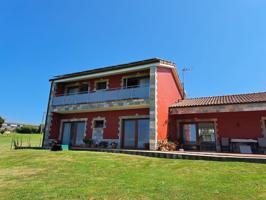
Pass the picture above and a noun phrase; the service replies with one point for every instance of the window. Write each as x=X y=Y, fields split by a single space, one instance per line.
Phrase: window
x=135 y=82
x=84 y=88
x=131 y=82
x=72 y=90
x=98 y=124
x=101 y=85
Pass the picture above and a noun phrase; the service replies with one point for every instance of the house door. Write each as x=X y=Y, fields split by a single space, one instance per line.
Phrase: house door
x=73 y=133
x=198 y=136
x=135 y=133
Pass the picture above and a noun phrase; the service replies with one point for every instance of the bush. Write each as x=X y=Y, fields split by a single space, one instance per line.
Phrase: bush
x=103 y=144
x=55 y=145
x=114 y=145
x=88 y=141
x=166 y=145
x=28 y=129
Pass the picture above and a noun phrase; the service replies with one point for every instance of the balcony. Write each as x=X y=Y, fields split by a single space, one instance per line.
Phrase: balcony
x=142 y=92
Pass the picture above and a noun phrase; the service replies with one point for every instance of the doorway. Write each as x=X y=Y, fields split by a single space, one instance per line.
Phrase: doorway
x=136 y=133
x=198 y=136
x=73 y=133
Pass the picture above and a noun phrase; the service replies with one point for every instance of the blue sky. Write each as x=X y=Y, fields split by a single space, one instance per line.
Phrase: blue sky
x=224 y=42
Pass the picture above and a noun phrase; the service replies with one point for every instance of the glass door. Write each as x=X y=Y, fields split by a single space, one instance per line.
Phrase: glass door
x=66 y=133
x=135 y=133
x=198 y=136
x=129 y=133
x=143 y=133
x=73 y=133
x=80 y=133
x=189 y=135
x=207 y=136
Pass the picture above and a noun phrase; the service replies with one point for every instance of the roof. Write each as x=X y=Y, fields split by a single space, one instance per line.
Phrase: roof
x=221 y=100
x=114 y=67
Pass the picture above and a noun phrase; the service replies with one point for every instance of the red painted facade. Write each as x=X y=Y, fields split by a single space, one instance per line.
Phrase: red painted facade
x=111 y=117
x=244 y=125
x=167 y=94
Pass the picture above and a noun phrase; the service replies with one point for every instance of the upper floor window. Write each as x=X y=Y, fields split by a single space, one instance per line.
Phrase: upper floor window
x=79 y=88
x=84 y=88
x=101 y=85
x=132 y=82
x=72 y=90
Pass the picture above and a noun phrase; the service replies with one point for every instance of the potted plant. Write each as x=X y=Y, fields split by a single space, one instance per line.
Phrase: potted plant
x=55 y=145
x=114 y=145
x=88 y=142
x=103 y=144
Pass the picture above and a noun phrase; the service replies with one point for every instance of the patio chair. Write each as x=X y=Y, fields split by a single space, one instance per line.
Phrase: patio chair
x=225 y=144
x=262 y=145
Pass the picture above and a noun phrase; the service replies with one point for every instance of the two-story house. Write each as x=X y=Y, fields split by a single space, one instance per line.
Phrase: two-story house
x=126 y=103
x=140 y=103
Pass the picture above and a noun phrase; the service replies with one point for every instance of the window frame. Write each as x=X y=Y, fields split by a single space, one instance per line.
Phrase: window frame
x=72 y=87
x=137 y=76
x=98 y=120
x=263 y=121
x=101 y=81
x=196 y=122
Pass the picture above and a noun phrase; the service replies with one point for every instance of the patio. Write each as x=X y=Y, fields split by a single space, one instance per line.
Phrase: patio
x=192 y=155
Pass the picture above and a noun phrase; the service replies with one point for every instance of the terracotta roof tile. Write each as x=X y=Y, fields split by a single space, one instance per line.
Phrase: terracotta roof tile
x=222 y=100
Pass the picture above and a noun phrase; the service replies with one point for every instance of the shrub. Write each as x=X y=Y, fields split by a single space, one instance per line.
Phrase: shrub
x=88 y=141
x=166 y=145
x=1 y=121
x=103 y=144
x=114 y=145
x=55 y=145
x=27 y=129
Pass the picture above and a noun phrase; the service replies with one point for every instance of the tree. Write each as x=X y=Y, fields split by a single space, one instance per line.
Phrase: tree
x=1 y=121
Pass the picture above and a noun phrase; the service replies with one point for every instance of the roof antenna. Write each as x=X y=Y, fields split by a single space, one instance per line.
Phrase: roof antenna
x=184 y=70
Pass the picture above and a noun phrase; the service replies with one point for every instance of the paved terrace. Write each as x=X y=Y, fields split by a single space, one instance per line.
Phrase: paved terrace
x=256 y=158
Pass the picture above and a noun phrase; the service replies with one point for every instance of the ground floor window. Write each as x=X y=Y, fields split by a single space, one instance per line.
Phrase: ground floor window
x=198 y=135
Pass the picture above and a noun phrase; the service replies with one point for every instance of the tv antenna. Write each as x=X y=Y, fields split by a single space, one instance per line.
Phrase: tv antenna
x=184 y=71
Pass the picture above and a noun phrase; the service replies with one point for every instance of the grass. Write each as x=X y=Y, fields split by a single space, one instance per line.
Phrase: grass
x=41 y=174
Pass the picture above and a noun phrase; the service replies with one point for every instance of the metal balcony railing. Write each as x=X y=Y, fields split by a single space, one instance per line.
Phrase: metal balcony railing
x=141 y=92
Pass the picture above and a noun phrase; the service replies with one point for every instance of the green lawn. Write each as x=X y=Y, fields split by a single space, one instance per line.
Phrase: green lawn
x=41 y=174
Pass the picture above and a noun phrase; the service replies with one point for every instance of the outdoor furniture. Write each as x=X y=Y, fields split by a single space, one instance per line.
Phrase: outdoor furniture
x=225 y=145
x=262 y=145
x=236 y=143
x=246 y=149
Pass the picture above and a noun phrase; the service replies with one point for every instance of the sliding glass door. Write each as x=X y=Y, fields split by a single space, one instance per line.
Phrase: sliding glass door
x=73 y=133
x=135 y=133
x=198 y=136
